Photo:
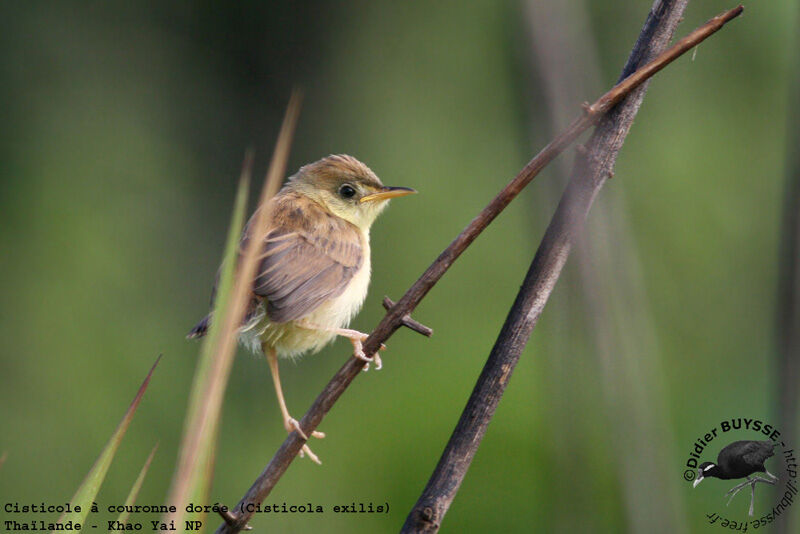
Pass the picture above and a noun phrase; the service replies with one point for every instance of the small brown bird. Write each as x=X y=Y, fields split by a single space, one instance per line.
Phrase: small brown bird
x=315 y=270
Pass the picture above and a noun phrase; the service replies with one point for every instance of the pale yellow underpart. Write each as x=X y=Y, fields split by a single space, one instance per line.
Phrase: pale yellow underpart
x=291 y=340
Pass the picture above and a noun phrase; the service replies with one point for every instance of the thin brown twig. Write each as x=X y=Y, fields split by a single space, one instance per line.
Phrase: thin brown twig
x=394 y=317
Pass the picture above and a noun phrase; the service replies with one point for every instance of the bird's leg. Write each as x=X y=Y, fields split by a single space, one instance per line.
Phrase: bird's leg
x=734 y=490
x=752 y=483
x=289 y=423
x=770 y=475
x=757 y=478
x=356 y=338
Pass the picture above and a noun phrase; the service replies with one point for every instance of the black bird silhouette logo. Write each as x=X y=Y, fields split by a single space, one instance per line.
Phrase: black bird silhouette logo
x=740 y=459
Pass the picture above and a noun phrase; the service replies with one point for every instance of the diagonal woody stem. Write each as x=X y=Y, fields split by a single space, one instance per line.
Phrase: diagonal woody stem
x=394 y=318
x=593 y=167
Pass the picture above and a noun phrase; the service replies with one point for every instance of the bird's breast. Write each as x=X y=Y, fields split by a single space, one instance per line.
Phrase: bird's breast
x=339 y=311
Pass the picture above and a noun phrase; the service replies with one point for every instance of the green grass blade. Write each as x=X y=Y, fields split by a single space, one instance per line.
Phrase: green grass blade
x=137 y=485
x=88 y=489
x=193 y=475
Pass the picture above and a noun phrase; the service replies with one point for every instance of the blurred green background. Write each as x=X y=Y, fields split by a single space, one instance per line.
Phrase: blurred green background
x=124 y=127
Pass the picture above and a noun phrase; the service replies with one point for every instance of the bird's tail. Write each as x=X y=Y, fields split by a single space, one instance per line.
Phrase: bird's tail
x=200 y=329
x=254 y=313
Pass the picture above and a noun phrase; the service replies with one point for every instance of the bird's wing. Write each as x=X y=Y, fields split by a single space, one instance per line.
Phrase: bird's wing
x=757 y=452
x=309 y=257
x=743 y=455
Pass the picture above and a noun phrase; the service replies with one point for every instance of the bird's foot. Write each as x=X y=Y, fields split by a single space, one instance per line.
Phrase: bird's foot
x=291 y=425
x=356 y=338
x=749 y=482
x=358 y=352
x=311 y=456
x=734 y=490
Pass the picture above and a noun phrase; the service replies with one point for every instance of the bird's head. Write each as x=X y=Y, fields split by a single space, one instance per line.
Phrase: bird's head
x=347 y=188
x=706 y=469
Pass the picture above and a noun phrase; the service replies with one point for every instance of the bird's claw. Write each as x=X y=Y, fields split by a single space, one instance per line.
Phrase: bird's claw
x=358 y=352
x=311 y=456
x=306 y=449
x=292 y=425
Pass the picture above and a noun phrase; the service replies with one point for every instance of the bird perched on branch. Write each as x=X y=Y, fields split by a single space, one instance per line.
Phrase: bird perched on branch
x=315 y=266
x=740 y=459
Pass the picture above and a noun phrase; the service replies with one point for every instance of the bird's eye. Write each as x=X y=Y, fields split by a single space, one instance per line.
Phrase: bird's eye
x=347 y=191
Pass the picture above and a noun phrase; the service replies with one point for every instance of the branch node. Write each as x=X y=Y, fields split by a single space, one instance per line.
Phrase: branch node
x=427 y=514
x=407 y=321
x=231 y=520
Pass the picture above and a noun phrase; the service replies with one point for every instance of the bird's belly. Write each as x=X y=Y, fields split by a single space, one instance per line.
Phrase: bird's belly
x=339 y=311
x=290 y=339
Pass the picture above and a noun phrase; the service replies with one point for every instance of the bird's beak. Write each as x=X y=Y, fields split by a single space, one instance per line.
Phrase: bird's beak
x=697 y=481
x=388 y=192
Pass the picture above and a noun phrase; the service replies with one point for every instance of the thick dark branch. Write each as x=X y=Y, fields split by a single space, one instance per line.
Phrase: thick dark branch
x=395 y=316
x=608 y=286
x=592 y=168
